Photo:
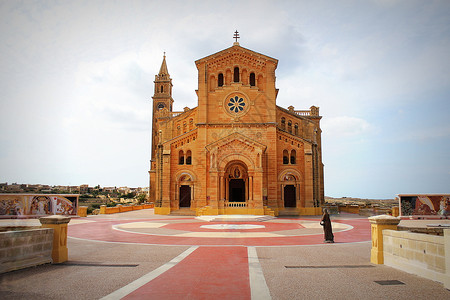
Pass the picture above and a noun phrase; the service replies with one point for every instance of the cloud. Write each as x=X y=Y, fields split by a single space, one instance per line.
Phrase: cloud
x=345 y=126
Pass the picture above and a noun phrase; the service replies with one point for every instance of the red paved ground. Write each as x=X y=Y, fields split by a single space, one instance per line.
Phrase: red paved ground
x=102 y=230
x=268 y=227
x=201 y=275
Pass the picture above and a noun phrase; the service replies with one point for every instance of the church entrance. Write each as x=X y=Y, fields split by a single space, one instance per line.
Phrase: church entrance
x=289 y=196
x=185 y=196
x=237 y=190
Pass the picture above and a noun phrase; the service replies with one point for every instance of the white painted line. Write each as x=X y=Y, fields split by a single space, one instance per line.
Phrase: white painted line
x=258 y=287
x=129 y=288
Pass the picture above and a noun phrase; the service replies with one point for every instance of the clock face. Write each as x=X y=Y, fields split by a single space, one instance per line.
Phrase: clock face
x=236 y=104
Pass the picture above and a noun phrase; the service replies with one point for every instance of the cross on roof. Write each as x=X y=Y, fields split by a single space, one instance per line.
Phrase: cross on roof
x=236 y=35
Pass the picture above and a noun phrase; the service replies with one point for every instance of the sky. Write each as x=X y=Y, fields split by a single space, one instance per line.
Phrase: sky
x=76 y=83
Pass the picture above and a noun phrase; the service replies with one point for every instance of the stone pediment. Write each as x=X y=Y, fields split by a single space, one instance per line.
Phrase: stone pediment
x=237 y=55
x=237 y=143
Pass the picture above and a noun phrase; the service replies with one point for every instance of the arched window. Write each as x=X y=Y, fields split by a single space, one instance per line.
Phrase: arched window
x=293 y=157
x=178 y=129
x=236 y=74
x=283 y=123
x=290 y=126
x=296 y=129
x=220 y=80
x=191 y=124
x=285 y=157
x=184 y=127
x=162 y=89
x=252 y=79
x=188 y=157
x=181 y=157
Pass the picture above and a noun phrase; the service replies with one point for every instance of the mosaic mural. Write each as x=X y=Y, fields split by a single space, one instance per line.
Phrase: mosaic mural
x=27 y=205
x=424 y=205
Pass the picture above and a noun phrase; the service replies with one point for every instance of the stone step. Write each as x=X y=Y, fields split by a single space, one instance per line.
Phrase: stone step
x=289 y=211
x=185 y=211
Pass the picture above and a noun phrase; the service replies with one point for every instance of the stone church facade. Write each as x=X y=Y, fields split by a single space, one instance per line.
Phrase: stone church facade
x=237 y=152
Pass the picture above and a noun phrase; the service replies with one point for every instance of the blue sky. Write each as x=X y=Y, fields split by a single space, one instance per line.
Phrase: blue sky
x=77 y=80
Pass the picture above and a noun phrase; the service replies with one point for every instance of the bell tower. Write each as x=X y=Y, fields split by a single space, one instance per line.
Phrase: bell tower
x=162 y=100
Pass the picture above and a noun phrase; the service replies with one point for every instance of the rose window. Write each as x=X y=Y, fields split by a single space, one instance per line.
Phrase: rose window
x=236 y=104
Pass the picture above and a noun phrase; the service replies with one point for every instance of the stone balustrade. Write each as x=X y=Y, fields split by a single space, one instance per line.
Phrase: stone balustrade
x=236 y=204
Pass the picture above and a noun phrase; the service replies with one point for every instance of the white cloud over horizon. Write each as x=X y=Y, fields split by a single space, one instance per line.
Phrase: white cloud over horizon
x=77 y=80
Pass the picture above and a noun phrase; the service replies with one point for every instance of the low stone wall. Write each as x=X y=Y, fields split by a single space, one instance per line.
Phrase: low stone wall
x=123 y=208
x=25 y=248
x=416 y=253
x=352 y=209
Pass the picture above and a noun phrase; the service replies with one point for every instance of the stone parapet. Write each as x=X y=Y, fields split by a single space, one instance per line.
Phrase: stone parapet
x=416 y=253
x=25 y=248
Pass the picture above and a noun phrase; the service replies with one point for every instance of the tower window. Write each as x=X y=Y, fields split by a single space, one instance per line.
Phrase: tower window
x=252 y=79
x=236 y=74
x=290 y=126
x=296 y=129
x=184 y=127
x=285 y=157
x=162 y=89
x=283 y=123
x=293 y=157
x=188 y=157
x=220 y=80
x=178 y=129
x=191 y=124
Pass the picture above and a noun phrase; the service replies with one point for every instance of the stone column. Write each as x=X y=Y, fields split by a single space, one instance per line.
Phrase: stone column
x=378 y=224
x=250 y=187
x=59 y=225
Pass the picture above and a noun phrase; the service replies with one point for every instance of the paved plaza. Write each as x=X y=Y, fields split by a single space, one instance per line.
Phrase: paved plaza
x=139 y=255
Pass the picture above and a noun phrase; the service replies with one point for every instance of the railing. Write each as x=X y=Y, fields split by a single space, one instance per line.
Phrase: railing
x=302 y=112
x=176 y=113
x=235 y=204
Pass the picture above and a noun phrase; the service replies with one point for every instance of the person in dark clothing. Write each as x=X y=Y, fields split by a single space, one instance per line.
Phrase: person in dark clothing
x=327 y=230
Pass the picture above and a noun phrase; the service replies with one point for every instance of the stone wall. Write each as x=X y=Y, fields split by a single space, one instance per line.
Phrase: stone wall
x=420 y=254
x=25 y=248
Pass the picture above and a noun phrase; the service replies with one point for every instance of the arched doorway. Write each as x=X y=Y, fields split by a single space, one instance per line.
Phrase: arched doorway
x=237 y=182
x=290 y=189
x=185 y=188
x=185 y=196
x=289 y=196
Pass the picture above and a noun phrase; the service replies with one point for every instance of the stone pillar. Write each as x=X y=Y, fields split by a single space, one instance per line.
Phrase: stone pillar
x=82 y=211
x=378 y=224
x=59 y=225
x=447 y=258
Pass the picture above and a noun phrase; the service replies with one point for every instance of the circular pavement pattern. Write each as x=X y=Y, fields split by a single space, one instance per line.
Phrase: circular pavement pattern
x=191 y=232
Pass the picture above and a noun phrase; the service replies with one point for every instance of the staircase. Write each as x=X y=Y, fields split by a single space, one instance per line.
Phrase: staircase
x=183 y=211
x=288 y=211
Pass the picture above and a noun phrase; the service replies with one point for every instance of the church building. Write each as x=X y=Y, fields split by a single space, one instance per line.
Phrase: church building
x=237 y=151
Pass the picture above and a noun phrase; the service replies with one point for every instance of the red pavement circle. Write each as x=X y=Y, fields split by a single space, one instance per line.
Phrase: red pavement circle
x=102 y=230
